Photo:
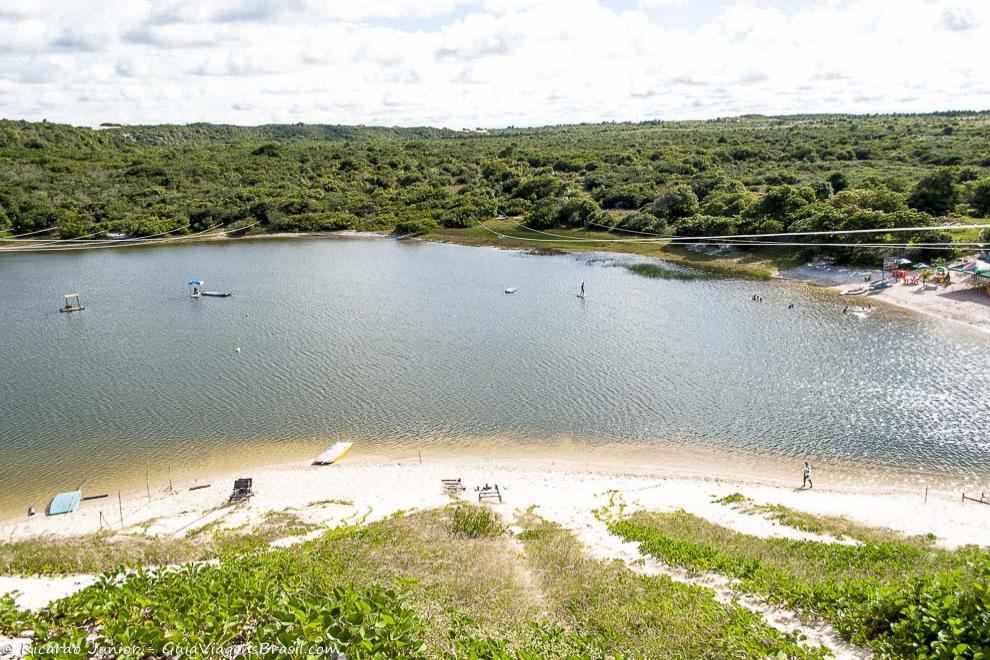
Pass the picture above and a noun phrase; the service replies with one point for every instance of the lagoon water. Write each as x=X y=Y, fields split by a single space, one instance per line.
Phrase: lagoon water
x=406 y=342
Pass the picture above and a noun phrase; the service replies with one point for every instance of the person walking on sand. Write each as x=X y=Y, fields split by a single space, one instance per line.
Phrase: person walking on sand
x=807 y=476
x=582 y=288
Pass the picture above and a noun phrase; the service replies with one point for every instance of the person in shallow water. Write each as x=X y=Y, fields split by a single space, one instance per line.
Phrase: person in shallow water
x=582 y=288
x=807 y=476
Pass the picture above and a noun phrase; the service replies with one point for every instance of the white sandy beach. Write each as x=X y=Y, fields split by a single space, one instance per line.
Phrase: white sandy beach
x=958 y=303
x=565 y=488
x=368 y=486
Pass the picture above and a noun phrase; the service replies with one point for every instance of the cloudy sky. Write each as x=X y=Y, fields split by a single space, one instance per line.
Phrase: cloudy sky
x=488 y=63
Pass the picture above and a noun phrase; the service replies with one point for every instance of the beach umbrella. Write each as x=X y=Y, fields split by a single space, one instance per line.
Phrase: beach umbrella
x=922 y=265
x=903 y=262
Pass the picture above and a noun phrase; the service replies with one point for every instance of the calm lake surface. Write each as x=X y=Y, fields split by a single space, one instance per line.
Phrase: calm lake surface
x=410 y=342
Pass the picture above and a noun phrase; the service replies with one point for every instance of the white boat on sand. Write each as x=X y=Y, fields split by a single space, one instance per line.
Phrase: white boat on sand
x=336 y=452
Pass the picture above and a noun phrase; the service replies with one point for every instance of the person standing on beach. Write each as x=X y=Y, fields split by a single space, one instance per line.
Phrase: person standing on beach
x=807 y=476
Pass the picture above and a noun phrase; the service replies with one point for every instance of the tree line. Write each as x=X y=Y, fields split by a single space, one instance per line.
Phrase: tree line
x=746 y=175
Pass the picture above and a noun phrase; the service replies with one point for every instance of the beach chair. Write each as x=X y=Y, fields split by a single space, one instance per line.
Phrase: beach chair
x=452 y=486
x=490 y=493
x=242 y=491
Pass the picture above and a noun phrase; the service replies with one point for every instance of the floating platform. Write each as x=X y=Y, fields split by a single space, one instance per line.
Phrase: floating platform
x=72 y=303
x=334 y=453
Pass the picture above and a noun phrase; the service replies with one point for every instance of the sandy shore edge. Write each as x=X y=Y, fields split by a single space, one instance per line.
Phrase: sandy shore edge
x=566 y=488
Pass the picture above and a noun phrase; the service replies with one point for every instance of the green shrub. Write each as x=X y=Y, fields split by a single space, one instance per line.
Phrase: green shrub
x=473 y=522
x=415 y=227
x=254 y=599
x=902 y=597
x=733 y=498
x=13 y=620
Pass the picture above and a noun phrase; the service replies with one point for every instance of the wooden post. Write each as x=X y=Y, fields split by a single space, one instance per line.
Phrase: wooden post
x=420 y=456
x=926 y=494
x=120 y=506
x=170 y=478
x=147 y=486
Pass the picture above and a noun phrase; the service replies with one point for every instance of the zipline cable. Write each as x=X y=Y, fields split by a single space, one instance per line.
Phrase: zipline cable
x=30 y=233
x=97 y=241
x=813 y=233
x=120 y=243
x=705 y=241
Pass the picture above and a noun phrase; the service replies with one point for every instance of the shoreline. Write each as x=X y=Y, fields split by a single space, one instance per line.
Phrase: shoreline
x=372 y=483
x=958 y=304
x=970 y=312
x=681 y=458
x=969 y=308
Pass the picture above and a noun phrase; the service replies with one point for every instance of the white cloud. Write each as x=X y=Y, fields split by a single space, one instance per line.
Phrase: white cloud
x=481 y=62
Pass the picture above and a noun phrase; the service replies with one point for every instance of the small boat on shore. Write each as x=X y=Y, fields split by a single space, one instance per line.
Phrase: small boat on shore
x=336 y=452
x=882 y=284
x=855 y=291
x=64 y=503
x=511 y=289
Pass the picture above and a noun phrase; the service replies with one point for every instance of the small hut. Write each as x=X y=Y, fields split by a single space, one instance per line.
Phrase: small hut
x=196 y=288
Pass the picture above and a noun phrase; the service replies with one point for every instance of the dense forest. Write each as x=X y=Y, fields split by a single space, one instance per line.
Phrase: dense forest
x=745 y=175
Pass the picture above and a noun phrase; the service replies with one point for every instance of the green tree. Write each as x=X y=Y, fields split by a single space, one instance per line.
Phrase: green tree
x=728 y=200
x=577 y=211
x=838 y=181
x=978 y=196
x=935 y=193
x=783 y=203
x=643 y=222
x=675 y=201
x=823 y=189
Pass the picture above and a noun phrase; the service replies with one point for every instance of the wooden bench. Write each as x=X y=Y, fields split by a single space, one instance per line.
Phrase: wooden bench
x=490 y=492
x=452 y=486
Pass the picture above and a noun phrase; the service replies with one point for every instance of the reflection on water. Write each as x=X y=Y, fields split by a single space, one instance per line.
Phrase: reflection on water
x=410 y=342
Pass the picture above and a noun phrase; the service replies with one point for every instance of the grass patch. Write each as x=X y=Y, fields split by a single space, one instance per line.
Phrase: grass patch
x=755 y=264
x=732 y=498
x=836 y=526
x=107 y=551
x=902 y=597
x=401 y=587
x=632 y=615
x=95 y=553
x=475 y=522
x=334 y=500
x=656 y=271
x=413 y=587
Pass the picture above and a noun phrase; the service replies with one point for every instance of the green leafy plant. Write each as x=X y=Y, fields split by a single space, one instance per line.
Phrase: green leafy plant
x=889 y=594
x=472 y=521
